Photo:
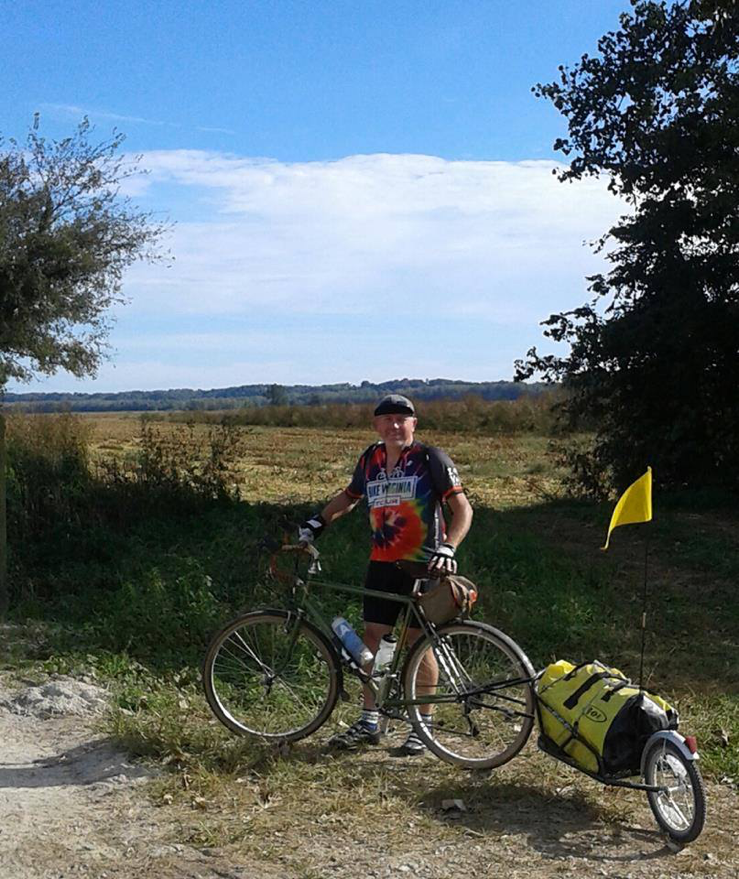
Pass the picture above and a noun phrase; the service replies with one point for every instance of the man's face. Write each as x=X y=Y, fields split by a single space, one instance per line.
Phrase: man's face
x=395 y=430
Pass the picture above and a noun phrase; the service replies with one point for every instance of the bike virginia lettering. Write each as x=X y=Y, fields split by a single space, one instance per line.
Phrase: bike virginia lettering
x=391 y=492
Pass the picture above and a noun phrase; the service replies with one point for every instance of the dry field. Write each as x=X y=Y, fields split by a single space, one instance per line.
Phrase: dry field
x=294 y=464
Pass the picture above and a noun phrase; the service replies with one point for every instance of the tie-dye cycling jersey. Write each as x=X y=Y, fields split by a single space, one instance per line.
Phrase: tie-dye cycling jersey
x=405 y=505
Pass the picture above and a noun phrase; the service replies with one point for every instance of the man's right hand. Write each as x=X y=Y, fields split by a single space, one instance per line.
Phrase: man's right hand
x=311 y=529
x=442 y=560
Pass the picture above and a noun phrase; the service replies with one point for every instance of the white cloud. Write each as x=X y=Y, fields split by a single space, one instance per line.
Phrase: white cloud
x=159 y=374
x=215 y=130
x=375 y=232
x=78 y=112
x=370 y=267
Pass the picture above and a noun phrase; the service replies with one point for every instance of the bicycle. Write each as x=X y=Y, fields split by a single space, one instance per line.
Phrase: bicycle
x=277 y=673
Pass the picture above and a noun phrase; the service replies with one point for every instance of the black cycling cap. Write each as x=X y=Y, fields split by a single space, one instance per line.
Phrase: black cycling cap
x=395 y=404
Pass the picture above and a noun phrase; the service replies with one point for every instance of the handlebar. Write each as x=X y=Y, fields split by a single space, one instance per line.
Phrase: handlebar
x=304 y=548
x=417 y=570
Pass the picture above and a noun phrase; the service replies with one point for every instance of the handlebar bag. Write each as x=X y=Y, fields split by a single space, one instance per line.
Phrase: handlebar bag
x=597 y=717
x=449 y=597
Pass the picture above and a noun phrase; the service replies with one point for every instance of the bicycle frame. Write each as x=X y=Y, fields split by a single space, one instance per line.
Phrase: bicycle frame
x=386 y=687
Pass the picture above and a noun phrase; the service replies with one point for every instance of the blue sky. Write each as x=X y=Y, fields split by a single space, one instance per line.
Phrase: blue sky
x=361 y=190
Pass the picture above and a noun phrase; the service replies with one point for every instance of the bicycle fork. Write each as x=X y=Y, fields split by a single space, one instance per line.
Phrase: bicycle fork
x=455 y=675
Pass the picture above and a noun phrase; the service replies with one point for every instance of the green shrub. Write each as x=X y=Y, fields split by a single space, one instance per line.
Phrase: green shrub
x=48 y=472
x=161 y=614
x=172 y=468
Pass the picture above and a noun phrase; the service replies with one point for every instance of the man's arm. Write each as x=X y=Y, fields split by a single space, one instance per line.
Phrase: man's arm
x=338 y=506
x=461 y=518
x=447 y=485
x=442 y=560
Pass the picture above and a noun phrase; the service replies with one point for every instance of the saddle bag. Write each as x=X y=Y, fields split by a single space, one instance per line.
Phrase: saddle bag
x=596 y=718
x=449 y=597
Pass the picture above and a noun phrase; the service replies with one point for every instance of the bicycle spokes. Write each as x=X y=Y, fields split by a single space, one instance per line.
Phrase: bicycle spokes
x=482 y=699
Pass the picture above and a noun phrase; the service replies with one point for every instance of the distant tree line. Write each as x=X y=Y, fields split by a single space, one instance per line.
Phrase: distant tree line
x=270 y=394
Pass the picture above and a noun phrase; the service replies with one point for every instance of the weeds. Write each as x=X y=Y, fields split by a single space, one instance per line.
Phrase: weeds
x=170 y=469
x=48 y=473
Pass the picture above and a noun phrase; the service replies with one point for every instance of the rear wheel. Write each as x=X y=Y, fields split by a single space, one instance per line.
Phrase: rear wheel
x=483 y=701
x=680 y=805
x=270 y=675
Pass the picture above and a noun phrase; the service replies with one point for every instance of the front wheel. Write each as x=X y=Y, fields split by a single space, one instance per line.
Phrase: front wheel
x=478 y=683
x=680 y=804
x=271 y=675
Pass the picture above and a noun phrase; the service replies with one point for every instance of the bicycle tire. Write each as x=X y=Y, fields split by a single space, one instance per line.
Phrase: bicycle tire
x=264 y=677
x=681 y=809
x=473 y=727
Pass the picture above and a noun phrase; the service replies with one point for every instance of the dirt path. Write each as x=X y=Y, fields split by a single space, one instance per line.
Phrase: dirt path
x=73 y=806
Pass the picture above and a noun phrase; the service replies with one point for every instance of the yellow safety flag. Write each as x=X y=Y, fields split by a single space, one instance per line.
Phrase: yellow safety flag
x=634 y=505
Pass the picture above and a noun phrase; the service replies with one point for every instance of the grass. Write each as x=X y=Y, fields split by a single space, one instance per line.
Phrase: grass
x=130 y=594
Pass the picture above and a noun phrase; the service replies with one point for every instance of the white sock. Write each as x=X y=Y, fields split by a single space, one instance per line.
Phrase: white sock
x=414 y=740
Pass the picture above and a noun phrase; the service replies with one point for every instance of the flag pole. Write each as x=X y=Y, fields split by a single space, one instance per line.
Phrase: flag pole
x=635 y=505
x=644 y=613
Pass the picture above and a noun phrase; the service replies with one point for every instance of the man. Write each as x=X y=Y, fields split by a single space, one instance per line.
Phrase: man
x=405 y=483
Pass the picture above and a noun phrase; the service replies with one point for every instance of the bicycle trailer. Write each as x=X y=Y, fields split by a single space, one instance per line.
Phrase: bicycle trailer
x=596 y=719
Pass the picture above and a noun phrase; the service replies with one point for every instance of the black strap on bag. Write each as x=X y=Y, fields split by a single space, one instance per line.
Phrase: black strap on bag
x=575 y=697
x=611 y=693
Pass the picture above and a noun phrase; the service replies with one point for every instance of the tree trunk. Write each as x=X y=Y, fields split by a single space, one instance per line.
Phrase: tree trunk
x=3 y=525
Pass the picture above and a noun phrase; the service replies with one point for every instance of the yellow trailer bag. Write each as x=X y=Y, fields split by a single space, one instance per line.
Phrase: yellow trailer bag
x=597 y=717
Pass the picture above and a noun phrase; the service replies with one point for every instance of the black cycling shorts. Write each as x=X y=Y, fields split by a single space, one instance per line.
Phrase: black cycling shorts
x=386 y=577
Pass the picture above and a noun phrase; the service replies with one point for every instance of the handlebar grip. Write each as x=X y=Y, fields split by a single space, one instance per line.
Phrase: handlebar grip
x=305 y=548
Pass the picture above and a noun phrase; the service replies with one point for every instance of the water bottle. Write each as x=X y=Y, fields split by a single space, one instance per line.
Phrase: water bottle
x=352 y=643
x=384 y=655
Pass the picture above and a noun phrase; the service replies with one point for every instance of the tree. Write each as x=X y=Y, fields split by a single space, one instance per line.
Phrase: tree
x=66 y=237
x=277 y=395
x=654 y=356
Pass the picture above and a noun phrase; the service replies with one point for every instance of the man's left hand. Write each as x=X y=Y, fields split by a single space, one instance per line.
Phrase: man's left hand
x=311 y=529
x=442 y=560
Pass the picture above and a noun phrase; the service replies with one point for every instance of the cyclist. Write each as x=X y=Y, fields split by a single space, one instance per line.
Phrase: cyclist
x=405 y=483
